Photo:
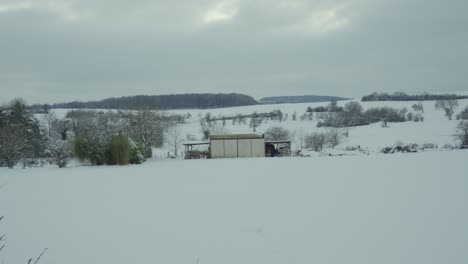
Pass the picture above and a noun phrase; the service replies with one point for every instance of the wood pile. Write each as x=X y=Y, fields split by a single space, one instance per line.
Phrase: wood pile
x=197 y=154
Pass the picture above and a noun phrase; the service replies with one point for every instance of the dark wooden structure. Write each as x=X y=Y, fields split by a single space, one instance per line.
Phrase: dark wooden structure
x=197 y=150
x=278 y=148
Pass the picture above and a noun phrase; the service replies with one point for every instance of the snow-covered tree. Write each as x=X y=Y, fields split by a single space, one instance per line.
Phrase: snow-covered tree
x=277 y=133
x=12 y=145
x=355 y=108
x=21 y=138
x=418 y=107
x=463 y=114
x=60 y=152
x=462 y=133
x=448 y=106
x=147 y=129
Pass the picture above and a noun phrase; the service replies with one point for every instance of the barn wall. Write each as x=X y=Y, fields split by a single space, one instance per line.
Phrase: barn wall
x=234 y=148
x=230 y=148
x=258 y=147
x=217 y=149
x=244 y=148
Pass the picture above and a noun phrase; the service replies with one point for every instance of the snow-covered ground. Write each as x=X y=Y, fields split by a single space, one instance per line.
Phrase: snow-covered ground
x=402 y=208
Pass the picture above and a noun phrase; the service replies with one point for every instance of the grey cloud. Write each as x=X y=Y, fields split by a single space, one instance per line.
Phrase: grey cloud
x=157 y=47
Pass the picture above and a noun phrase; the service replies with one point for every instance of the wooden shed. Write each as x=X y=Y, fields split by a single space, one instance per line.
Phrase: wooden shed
x=237 y=146
x=197 y=150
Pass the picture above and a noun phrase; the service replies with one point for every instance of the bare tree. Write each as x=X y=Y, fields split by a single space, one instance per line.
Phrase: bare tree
x=174 y=138
x=334 y=136
x=301 y=137
x=212 y=128
x=448 y=106
x=48 y=120
x=315 y=141
x=255 y=121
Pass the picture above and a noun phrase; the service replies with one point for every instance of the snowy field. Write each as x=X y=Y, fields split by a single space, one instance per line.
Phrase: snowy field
x=436 y=128
x=356 y=208
x=402 y=208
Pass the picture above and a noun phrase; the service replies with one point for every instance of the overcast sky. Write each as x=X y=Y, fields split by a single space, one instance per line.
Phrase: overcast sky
x=63 y=50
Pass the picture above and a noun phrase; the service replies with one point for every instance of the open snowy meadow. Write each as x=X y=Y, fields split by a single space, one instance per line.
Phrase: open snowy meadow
x=352 y=208
x=403 y=208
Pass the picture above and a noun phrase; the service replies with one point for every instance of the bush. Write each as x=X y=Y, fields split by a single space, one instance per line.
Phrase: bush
x=418 y=117
x=86 y=149
x=137 y=155
x=120 y=150
x=428 y=146
x=117 y=151
x=410 y=116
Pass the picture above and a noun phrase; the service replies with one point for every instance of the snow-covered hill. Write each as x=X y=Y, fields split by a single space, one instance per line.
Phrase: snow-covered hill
x=435 y=129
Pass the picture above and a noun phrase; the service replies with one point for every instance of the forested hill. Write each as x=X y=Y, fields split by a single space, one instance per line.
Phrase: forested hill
x=300 y=99
x=178 y=101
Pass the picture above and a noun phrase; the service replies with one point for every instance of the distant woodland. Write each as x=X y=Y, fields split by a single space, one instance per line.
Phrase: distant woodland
x=400 y=96
x=161 y=102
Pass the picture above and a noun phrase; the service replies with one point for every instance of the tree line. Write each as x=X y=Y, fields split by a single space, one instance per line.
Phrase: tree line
x=401 y=96
x=158 y=102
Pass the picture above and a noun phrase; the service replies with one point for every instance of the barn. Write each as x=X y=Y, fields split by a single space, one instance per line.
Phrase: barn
x=237 y=146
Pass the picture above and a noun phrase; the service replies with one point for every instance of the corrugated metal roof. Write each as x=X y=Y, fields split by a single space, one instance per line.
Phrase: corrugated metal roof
x=236 y=136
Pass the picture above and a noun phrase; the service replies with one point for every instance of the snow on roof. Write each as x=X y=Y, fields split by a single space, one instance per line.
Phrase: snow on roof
x=278 y=141
x=236 y=136
x=193 y=143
